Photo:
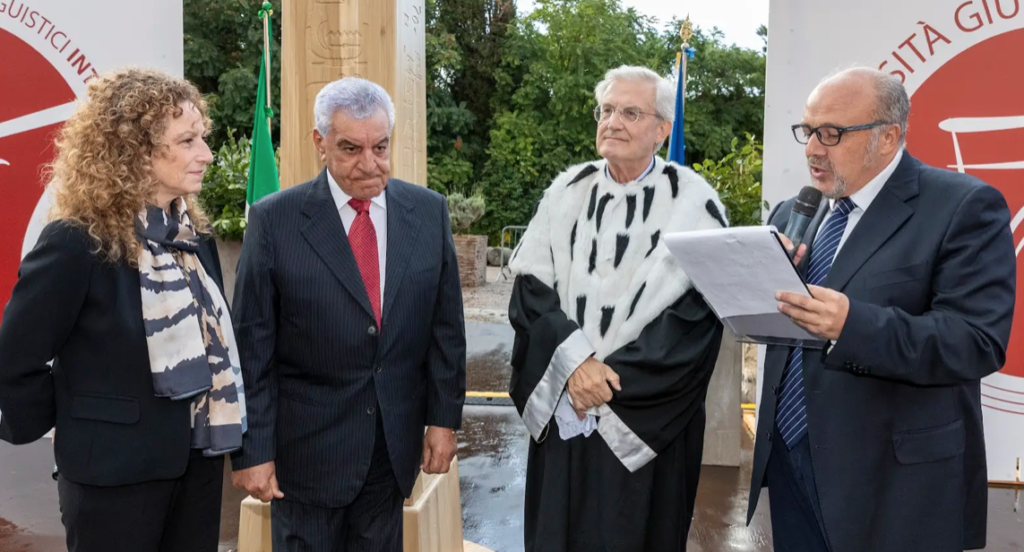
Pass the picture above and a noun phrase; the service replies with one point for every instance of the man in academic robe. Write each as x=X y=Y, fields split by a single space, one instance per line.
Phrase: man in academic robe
x=614 y=348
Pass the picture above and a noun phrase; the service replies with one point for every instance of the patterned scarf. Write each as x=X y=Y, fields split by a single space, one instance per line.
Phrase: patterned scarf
x=192 y=351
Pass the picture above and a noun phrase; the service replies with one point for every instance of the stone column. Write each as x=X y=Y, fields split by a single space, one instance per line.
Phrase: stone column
x=378 y=40
x=724 y=427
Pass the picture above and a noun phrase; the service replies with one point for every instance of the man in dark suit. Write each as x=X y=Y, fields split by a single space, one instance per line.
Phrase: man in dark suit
x=876 y=442
x=348 y=311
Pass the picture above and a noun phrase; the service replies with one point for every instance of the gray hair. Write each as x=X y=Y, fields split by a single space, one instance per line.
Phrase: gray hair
x=358 y=98
x=664 y=91
x=893 y=104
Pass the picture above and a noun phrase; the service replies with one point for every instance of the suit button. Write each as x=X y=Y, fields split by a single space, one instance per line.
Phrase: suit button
x=372 y=330
x=371 y=410
x=775 y=390
x=379 y=368
x=768 y=435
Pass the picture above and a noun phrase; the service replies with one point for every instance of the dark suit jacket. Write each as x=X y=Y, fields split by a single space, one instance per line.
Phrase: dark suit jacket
x=86 y=314
x=893 y=410
x=314 y=364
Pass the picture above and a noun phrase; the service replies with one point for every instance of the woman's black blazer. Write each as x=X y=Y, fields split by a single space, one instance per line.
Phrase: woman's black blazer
x=85 y=313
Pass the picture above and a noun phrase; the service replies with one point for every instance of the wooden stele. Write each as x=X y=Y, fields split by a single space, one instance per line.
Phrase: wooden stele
x=254 y=526
x=379 y=40
x=431 y=518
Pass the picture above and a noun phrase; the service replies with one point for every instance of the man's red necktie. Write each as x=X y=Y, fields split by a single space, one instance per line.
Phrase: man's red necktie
x=363 y=237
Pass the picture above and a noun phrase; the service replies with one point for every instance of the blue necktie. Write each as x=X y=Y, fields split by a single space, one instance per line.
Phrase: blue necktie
x=791 y=417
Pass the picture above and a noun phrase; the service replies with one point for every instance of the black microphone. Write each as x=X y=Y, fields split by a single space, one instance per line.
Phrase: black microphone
x=804 y=208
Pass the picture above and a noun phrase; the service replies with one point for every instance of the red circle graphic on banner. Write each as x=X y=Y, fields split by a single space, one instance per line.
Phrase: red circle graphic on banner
x=969 y=116
x=31 y=86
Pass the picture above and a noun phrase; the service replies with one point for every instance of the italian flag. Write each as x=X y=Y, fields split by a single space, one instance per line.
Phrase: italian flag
x=263 y=179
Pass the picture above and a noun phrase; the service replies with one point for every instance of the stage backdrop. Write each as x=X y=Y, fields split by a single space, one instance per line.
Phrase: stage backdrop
x=962 y=63
x=49 y=50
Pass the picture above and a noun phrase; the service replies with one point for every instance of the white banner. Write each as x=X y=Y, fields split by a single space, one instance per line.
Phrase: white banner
x=963 y=64
x=49 y=49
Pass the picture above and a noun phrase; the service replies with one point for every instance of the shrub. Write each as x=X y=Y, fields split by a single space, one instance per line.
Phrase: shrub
x=465 y=211
x=737 y=178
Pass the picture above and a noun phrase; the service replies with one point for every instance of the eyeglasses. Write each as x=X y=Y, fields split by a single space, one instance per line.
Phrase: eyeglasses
x=829 y=135
x=629 y=114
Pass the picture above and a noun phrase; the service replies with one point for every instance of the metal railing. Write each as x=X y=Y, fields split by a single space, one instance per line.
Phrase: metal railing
x=510 y=236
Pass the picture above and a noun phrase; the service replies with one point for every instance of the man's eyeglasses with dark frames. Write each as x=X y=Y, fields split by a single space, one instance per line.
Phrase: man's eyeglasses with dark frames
x=829 y=135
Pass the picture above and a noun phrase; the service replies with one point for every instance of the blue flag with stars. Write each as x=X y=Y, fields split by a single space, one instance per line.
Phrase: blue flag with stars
x=677 y=143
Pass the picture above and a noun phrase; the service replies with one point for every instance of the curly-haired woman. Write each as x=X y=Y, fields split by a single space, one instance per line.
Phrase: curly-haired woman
x=123 y=293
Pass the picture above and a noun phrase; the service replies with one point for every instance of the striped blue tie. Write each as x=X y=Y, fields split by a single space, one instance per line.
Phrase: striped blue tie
x=791 y=416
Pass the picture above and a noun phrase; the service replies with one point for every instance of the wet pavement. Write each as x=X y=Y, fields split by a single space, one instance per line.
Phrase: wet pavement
x=489 y=350
x=492 y=476
x=492 y=466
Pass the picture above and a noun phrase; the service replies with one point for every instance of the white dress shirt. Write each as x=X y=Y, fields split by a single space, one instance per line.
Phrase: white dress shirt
x=608 y=173
x=862 y=199
x=379 y=217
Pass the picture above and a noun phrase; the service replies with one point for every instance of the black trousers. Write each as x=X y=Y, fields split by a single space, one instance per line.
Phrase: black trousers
x=797 y=525
x=179 y=515
x=372 y=523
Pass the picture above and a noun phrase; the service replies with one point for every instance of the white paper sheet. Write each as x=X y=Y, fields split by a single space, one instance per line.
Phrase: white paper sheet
x=738 y=271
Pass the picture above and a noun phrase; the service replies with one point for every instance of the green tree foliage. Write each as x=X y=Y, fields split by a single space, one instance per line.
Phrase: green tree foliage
x=223 y=194
x=223 y=45
x=551 y=63
x=224 y=186
x=509 y=98
x=724 y=93
x=737 y=177
x=465 y=39
x=480 y=28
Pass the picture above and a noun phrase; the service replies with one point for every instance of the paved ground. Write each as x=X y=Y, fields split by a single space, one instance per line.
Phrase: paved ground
x=494 y=480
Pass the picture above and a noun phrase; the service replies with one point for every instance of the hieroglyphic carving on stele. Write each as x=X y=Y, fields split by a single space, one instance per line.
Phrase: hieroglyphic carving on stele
x=413 y=87
x=336 y=53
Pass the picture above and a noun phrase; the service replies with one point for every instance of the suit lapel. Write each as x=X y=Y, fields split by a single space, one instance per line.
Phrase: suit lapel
x=326 y=235
x=774 y=364
x=402 y=232
x=884 y=216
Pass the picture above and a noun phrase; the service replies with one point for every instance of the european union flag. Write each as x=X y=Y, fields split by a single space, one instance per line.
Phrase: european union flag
x=676 y=144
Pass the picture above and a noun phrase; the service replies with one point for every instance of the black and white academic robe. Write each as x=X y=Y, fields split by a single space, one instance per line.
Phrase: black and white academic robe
x=593 y=279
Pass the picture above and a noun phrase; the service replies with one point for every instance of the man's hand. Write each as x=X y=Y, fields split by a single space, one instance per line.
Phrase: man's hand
x=800 y=252
x=591 y=385
x=259 y=481
x=438 y=449
x=823 y=314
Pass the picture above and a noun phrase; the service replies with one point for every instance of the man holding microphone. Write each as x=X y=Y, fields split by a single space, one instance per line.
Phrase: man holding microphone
x=876 y=442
